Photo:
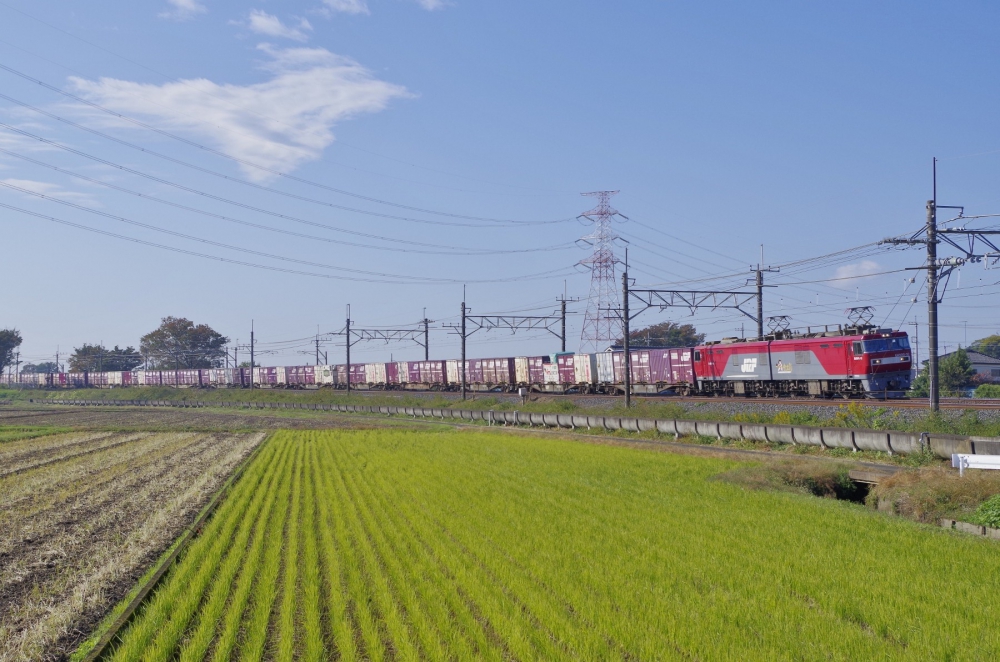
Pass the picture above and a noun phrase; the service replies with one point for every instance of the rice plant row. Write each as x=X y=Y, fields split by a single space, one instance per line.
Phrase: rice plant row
x=410 y=545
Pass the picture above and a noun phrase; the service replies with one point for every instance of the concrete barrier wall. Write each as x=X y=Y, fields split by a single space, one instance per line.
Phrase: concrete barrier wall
x=886 y=441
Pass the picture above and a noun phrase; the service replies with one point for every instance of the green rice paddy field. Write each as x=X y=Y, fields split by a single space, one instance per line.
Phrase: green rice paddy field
x=458 y=545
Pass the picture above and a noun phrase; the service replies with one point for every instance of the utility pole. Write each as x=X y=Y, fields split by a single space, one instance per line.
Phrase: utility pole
x=932 y=299
x=317 y=348
x=625 y=325
x=17 y=367
x=463 y=344
x=759 y=280
x=347 y=334
x=251 y=355
x=916 y=346
x=563 y=300
x=427 y=336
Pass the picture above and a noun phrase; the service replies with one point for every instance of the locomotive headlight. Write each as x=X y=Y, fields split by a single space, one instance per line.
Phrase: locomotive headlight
x=876 y=361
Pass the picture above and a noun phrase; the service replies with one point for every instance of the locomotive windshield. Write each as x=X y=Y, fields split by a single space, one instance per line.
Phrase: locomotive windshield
x=886 y=344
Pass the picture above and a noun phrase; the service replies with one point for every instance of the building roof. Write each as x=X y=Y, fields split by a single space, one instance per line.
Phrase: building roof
x=976 y=358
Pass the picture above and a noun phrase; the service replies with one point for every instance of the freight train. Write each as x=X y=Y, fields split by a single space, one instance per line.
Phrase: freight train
x=853 y=362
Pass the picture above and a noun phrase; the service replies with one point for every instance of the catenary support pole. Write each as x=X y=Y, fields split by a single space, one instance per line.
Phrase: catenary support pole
x=427 y=338
x=562 y=333
x=462 y=366
x=347 y=335
x=628 y=355
x=932 y=306
x=251 y=355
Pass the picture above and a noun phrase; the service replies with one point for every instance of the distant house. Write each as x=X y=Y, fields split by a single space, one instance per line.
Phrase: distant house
x=981 y=364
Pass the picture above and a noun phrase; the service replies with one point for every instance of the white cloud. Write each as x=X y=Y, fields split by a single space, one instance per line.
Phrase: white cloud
x=51 y=190
x=182 y=10
x=263 y=23
x=432 y=5
x=348 y=6
x=849 y=275
x=280 y=123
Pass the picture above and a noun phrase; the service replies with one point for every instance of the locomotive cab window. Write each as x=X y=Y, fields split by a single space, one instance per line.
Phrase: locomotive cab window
x=697 y=355
x=736 y=359
x=859 y=348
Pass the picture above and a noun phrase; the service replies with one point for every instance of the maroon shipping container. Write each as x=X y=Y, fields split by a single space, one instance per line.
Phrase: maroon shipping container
x=300 y=375
x=474 y=371
x=265 y=376
x=499 y=371
x=358 y=373
x=432 y=372
x=567 y=371
x=656 y=366
x=536 y=369
x=128 y=378
x=412 y=375
x=392 y=373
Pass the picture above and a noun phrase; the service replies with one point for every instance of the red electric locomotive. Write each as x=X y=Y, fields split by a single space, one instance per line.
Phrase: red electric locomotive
x=852 y=362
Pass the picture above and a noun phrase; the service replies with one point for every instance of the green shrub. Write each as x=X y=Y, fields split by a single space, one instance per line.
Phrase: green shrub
x=988 y=513
x=987 y=391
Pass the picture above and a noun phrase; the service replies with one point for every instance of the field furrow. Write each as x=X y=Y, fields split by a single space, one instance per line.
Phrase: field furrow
x=385 y=545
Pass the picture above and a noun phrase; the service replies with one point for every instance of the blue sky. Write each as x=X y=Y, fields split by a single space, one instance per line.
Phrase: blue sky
x=809 y=129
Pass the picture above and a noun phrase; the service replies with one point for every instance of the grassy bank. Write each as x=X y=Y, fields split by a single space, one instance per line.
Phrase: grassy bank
x=852 y=414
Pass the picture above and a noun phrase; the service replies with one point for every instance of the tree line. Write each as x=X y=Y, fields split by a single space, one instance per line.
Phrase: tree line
x=178 y=343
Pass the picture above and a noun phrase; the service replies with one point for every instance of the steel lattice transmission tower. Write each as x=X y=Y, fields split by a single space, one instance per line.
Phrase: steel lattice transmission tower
x=600 y=325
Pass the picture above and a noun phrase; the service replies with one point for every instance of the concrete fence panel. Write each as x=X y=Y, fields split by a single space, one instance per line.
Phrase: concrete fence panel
x=612 y=423
x=872 y=440
x=838 y=438
x=646 y=424
x=808 y=436
x=945 y=445
x=666 y=426
x=781 y=434
x=536 y=419
x=730 y=430
x=985 y=446
x=904 y=442
x=754 y=431
x=581 y=421
x=686 y=428
x=707 y=428
x=551 y=420
x=630 y=424
x=595 y=422
x=565 y=421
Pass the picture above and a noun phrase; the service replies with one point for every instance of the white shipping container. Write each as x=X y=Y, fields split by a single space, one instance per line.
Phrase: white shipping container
x=375 y=373
x=325 y=374
x=585 y=366
x=280 y=378
x=551 y=373
x=605 y=368
x=521 y=369
x=402 y=372
x=454 y=373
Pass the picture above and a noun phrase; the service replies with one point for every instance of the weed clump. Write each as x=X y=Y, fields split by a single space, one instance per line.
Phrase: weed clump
x=927 y=494
x=823 y=479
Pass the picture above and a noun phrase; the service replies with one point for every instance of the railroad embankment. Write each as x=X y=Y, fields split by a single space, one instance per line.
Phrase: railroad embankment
x=855 y=414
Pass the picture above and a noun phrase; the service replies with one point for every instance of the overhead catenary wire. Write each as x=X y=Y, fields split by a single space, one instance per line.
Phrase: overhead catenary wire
x=452 y=250
x=251 y=164
x=541 y=275
x=262 y=187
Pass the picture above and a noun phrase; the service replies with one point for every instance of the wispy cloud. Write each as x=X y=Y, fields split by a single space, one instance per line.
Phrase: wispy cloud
x=182 y=10
x=348 y=6
x=51 y=190
x=432 y=5
x=280 y=123
x=850 y=275
x=263 y=23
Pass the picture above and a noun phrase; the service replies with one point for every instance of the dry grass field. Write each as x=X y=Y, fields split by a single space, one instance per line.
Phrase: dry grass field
x=84 y=514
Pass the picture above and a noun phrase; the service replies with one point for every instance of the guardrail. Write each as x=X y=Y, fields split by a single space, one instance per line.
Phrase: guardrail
x=962 y=461
x=886 y=441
